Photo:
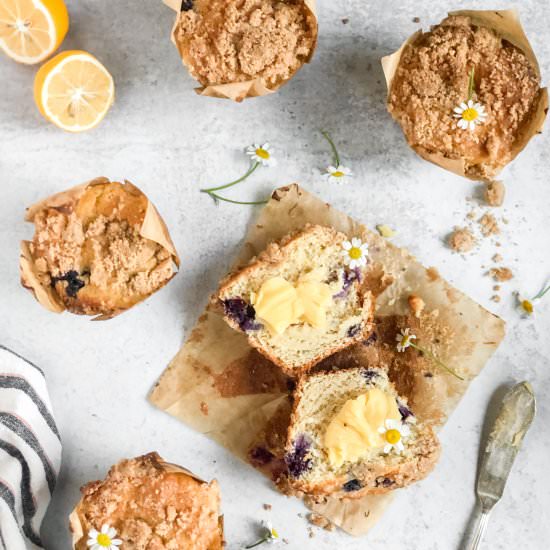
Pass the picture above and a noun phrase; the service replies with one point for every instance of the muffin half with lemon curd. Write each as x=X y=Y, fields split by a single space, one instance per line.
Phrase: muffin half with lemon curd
x=351 y=435
x=302 y=299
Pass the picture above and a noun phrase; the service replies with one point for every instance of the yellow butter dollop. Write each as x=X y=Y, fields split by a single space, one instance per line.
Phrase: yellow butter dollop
x=280 y=304
x=354 y=429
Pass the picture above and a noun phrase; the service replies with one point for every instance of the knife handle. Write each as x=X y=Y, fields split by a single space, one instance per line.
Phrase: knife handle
x=480 y=530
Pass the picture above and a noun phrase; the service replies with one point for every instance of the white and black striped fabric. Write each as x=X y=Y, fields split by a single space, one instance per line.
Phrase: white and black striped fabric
x=30 y=452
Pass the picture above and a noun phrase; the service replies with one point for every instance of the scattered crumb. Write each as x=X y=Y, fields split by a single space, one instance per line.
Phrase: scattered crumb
x=489 y=225
x=285 y=541
x=495 y=298
x=496 y=287
x=204 y=408
x=385 y=231
x=471 y=215
x=417 y=304
x=311 y=533
x=497 y=258
x=432 y=273
x=494 y=193
x=320 y=521
x=345 y=21
x=501 y=273
x=267 y=506
x=498 y=244
x=462 y=240
x=416 y=19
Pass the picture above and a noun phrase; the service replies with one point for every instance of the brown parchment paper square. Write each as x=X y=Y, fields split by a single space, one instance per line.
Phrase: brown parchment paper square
x=506 y=24
x=236 y=91
x=196 y=386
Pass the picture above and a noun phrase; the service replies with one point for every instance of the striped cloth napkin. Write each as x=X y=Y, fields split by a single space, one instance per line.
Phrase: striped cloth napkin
x=30 y=452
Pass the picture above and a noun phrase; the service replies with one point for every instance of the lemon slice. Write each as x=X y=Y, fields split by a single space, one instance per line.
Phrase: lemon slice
x=31 y=30
x=74 y=91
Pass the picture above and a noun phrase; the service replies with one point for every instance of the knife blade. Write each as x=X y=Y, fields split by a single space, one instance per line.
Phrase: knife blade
x=514 y=419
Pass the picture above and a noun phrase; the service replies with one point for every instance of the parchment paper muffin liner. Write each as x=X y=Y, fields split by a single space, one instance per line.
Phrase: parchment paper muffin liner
x=505 y=23
x=75 y=522
x=237 y=91
x=152 y=227
x=219 y=387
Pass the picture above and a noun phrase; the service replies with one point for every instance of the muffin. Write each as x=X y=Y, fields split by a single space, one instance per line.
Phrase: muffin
x=302 y=299
x=243 y=48
x=473 y=131
x=351 y=434
x=147 y=503
x=98 y=249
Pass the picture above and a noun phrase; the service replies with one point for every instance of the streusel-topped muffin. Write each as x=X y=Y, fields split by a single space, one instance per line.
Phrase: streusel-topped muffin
x=145 y=503
x=98 y=249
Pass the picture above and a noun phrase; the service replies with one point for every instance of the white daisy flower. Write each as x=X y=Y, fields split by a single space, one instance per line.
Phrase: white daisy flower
x=104 y=539
x=261 y=154
x=525 y=305
x=355 y=253
x=337 y=174
x=271 y=536
x=404 y=339
x=394 y=432
x=469 y=115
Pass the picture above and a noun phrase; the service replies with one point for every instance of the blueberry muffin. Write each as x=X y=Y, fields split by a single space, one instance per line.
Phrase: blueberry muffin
x=302 y=299
x=467 y=94
x=146 y=503
x=351 y=434
x=98 y=249
x=234 y=41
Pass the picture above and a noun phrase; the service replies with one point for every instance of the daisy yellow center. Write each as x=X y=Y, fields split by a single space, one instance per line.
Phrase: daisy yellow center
x=393 y=436
x=405 y=341
x=355 y=253
x=527 y=306
x=469 y=114
x=104 y=540
x=338 y=174
x=262 y=153
x=274 y=533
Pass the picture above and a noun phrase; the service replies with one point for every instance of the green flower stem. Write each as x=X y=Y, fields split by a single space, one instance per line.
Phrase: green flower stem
x=258 y=542
x=230 y=184
x=471 y=84
x=541 y=293
x=436 y=360
x=217 y=197
x=336 y=156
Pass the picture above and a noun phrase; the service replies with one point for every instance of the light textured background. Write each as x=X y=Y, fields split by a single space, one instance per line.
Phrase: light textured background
x=170 y=142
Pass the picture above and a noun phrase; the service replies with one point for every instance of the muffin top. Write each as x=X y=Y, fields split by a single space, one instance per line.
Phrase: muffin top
x=432 y=80
x=91 y=253
x=149 y=505
x=224 y=41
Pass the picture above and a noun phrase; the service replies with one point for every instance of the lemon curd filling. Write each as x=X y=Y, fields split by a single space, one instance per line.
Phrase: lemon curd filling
x=280 y=303
x=355 y=427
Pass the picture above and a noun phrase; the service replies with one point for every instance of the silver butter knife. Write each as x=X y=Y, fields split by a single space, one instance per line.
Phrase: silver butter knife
x=514 y=418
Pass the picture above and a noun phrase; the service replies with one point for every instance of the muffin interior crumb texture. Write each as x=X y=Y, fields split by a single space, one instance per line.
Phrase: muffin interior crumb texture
x=432 y=79
x=93 y=255
x=152 y=509
x=238 y=40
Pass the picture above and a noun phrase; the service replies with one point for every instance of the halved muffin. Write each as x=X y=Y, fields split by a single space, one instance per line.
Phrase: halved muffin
x=98 y=249
x=471 y=130
x=302 y=299
x=259 y=42
x=145 y=502
x=351 y=434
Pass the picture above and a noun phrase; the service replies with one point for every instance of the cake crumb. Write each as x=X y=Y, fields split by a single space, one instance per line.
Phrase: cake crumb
x=310 y=532
x=489 y=225
x=267 y=506
x=501 y=274
x=496 y=287
x=320 y=521
x=471 y=215
x=432 y=273
x=495 y=298
x=416 y=19
x=417 y=304
x=345 y=20
x=204 y=408
x=494 y=193
x=385 y=231
x=497 y=258
x=462 y=240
